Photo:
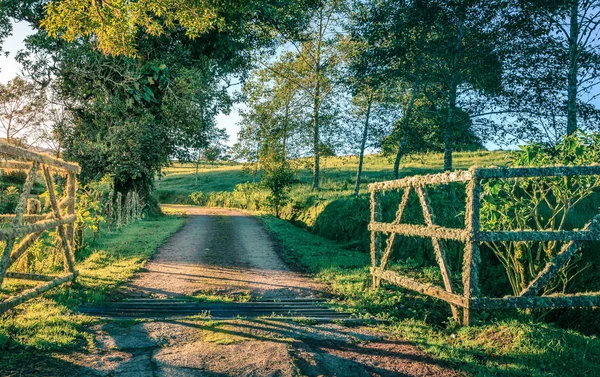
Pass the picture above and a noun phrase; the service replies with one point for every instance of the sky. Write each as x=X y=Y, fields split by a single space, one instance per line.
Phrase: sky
x=9 y=68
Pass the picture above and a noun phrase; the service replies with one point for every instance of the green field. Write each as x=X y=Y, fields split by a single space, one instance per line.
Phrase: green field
x=338 y=173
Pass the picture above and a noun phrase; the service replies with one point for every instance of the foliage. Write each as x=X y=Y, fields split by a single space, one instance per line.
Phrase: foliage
x=49 y=323
x=514 y=346
x=91 y=208
x=117 y=25
x=539 y=204
x=277 y=178
x=21 y=111
x=9 y=197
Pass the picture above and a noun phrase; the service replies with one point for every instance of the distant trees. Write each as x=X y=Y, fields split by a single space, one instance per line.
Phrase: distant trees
x=22 y=108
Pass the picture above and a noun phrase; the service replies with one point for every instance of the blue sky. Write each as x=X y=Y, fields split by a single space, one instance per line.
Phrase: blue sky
x=9 y=68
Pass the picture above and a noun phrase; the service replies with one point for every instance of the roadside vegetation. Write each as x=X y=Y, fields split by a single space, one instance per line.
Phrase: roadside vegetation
x=505 y=344
x=335 y=251
x=49 y=323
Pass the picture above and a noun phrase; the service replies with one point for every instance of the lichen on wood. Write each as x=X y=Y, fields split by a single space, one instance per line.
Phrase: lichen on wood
x=28 y=223
x=472 y=237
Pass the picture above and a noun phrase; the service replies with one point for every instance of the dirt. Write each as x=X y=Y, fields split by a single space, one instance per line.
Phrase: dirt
x=226 y=252
x=222 y=252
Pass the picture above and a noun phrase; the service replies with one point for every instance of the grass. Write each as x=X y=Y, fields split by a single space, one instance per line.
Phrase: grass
x=49 y=323
x=338 y=173
x=512 y=345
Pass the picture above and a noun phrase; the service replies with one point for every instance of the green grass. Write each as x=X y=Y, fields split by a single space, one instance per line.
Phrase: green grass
x=338 y=173
x=49 y=323
x=503 y=346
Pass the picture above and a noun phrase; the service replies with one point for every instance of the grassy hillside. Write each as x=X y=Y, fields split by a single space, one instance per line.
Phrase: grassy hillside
x=338 y=173
x=333 y=212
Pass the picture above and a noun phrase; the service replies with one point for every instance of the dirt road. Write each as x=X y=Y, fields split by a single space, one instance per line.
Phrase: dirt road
x=226 y=252
x=222 y=252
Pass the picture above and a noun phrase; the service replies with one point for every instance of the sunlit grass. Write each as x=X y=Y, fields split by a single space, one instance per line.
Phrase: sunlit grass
x=49 y=322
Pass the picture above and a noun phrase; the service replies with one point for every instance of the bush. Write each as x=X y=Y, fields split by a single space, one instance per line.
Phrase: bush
x=540 y=204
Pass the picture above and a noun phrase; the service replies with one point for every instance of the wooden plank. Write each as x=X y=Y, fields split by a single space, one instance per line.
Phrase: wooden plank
x=11 y=302
x=544 y=171
x=36 y=227
x=45 y=159
x=422 y=180
x=421 y=231
x=17 y=220
x=440 y=255
x=538 y=235
x=591 y=299
x=8 y=218
x=22 y=247
x=472 y=255
x=426 y=289
x=26 y=276
x=375 y=216
x=392 y=238
x=62 y=234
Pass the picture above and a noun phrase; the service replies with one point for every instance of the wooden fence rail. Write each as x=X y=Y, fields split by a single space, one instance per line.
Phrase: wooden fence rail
x=28 y=228
x=472 y=236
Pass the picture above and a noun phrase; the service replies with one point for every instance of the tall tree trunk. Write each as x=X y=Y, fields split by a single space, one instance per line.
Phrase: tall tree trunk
x=315 y=184
x=452 y=93
x=363 y=144
x=405 y=123
x=448 y=139
x=399 y=155
x=285 y=131
x=196 y=175
x=573 y=69
x=316 y=106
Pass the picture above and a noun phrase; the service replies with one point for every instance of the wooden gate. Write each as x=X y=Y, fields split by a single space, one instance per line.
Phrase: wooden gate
x=27 y=228
x=472 y=237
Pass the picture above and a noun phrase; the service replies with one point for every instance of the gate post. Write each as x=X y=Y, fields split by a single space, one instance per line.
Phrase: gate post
x=471 y=257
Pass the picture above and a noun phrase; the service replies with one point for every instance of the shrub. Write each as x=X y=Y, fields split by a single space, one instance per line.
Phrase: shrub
x=539 y=204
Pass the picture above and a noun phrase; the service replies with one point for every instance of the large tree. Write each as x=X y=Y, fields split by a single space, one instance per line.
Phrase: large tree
x=444 y=53
x=144 y=79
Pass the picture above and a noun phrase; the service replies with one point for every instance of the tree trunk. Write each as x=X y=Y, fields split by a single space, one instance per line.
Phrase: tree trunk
x=316 y=106
x=405 y=123
x=285 y=131
x=363 y=143
x=452 y=92
x=573 y=69
x=315 y=185
x=399 y=155
x=196 y=174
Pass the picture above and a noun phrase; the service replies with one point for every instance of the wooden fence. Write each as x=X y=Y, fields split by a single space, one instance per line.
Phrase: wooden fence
x=471 y=235
x=29 y=227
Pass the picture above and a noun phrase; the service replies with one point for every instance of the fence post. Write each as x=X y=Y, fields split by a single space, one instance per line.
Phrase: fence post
x=375 y=217
x=472 y=257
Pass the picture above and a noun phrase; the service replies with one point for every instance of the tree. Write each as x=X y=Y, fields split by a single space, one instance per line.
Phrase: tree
x=313 y=66
x=552 y=60
x=164 y=78
x=118 y=25
x=437 y=51
x=275 y=115
x=21 y=111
